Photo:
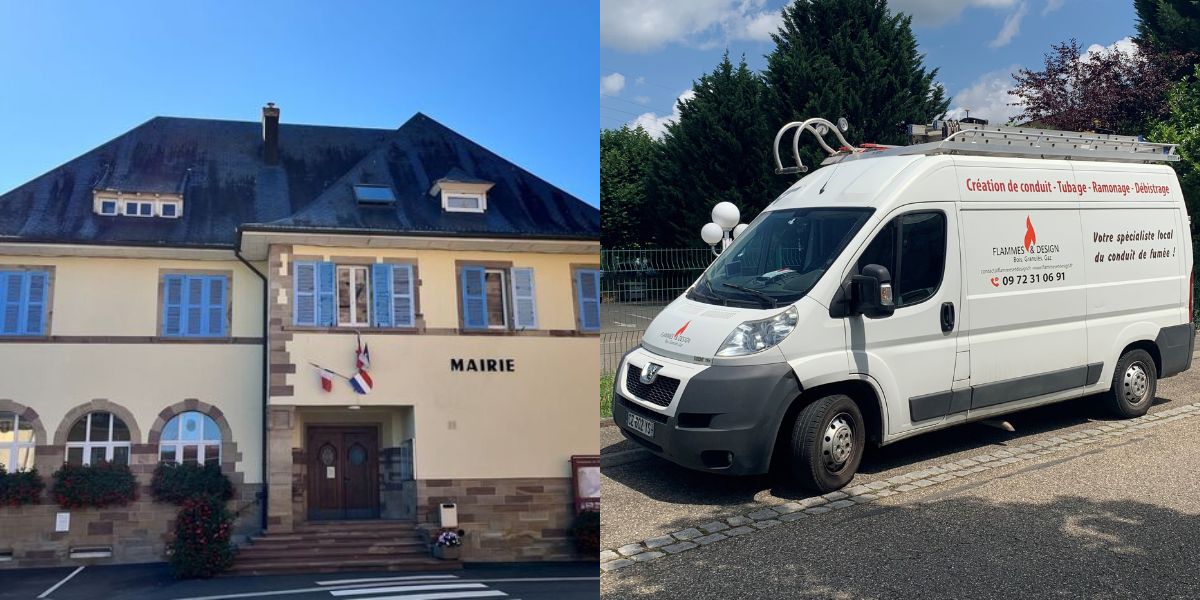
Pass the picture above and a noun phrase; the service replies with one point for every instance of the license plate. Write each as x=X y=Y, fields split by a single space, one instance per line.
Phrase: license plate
x=640 y=424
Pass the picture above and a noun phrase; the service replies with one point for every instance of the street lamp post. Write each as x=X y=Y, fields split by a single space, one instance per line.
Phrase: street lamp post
x=724 y=227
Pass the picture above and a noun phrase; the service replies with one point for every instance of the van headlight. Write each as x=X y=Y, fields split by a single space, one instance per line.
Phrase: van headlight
x=756 y=336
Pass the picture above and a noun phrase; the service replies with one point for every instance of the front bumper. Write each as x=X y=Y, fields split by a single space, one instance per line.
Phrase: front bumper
x=722 y=419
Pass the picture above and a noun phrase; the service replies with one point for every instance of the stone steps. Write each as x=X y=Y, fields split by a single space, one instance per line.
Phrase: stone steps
x=331 y=546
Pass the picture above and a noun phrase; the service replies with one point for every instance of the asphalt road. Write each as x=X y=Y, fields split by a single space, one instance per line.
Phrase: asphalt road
x=1114 y=519
x=154 y=582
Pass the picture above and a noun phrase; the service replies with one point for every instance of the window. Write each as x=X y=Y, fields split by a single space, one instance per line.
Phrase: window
x=191 y=437
x=145 y=209
x=16 y=443
x=393 y=301
x=919 y=239
x=491 y=295
x=24 y=302
x=313 y=290
x=587 y=290
x=463 y=202
x=195 y=305
x=98 y=436
x=374 y=194
x=352 y=295
x=169 y=209
x=108 y=207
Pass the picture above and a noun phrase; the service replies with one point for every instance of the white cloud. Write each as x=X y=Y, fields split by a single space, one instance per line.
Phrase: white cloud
x=1052 y=5
x=933 y=13
x=612 y=84
x=1124 y=45
x=647 y=25
x=987 y=98
x=642 y=99
x=1011 y=27
x=641 y=80
x=655 y=125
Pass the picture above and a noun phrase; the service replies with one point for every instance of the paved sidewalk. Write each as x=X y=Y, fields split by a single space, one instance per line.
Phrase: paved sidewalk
x=1112 y=514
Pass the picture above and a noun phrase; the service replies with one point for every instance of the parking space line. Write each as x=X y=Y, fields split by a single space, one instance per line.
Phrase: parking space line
x=59 y=584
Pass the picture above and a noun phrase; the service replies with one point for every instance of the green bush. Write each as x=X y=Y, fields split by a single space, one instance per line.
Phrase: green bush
x=20 y=487
x=586 y=531
x=176 y=482
x=202 y=545
x=97 y=485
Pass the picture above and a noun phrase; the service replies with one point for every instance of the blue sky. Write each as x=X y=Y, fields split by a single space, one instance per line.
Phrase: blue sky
x=652 y=50
x=514 y=76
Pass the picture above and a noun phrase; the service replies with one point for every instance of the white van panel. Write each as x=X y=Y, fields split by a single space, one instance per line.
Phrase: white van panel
x=1025 y=291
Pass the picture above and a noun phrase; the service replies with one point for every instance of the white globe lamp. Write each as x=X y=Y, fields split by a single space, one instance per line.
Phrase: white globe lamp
x=711 y=234
x=739 y=229
x=726 y=215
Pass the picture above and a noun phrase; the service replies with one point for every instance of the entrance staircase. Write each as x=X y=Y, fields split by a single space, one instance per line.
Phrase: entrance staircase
x=331 y=546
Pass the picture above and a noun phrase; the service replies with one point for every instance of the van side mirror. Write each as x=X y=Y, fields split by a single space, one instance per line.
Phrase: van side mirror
x=871 y=292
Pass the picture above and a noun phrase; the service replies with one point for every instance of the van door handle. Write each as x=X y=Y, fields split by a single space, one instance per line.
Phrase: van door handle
x=947 y=316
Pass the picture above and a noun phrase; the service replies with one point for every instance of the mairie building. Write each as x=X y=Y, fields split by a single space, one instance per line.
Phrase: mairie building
x=188 y=290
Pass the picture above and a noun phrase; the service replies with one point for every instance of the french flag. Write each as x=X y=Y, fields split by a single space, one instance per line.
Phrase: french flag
x=362 y=356
x=326 y=380
x=361 y=382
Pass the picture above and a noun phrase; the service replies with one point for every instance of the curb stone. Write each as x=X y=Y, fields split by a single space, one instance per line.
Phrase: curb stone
x=774 y=515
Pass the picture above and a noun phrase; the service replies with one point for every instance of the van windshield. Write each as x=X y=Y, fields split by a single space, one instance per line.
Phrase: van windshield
x=780 y=257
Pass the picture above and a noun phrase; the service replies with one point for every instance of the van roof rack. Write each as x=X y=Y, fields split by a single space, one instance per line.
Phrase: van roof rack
x=957 y=137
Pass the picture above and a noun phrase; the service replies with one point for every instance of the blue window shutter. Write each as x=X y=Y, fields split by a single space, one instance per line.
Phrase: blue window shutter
x=403 y=296
x=304 y=304
x=474 y=298
x=39 y=302
x=215 y=306
x=587 y=285
x=193 y=306
x=326 y=288
x=172 y=305
x=381 y=295
x=525 y=304
x=13 y=284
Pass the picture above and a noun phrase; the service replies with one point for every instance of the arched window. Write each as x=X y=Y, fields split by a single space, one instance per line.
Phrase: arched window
x=16 y=442
x=191 y=437
x=98 y=436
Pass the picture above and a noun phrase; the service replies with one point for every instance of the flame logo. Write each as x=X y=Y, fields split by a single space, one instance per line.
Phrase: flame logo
x=1030 y=235
x=682 y=329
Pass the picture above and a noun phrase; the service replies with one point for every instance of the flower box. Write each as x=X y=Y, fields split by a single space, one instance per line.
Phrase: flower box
x=446 y=552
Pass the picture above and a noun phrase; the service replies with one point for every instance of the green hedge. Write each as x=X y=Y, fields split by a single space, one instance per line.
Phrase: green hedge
x=175 y=482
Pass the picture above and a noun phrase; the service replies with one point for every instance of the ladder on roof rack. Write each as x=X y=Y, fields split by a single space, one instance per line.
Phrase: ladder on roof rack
x=955 y=137
x=985 y=140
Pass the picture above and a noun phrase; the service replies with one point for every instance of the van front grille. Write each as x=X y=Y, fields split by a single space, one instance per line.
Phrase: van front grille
x=659 y=393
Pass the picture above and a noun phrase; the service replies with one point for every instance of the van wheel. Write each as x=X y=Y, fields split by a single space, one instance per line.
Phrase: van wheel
x=1134 y=384
x=827 y=443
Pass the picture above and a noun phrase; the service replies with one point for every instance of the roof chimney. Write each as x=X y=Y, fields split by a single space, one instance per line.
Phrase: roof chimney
x=270 y=133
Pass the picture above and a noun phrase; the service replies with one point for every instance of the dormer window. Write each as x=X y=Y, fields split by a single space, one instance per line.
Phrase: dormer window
x=374 y=194
x=461 y=192
x=463 y=202
x=112 y=203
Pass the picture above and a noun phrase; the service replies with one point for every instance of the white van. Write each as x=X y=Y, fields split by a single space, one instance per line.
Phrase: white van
x=907 y=289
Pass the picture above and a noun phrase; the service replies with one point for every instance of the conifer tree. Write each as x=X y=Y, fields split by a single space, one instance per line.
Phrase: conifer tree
x=625 y=156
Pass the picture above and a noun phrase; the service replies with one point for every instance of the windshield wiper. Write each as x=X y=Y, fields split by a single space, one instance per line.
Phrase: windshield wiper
x=770 y=301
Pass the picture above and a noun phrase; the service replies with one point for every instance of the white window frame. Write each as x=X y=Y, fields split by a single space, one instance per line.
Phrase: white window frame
x=446 y=195
x=116 y=206
x=505 y=290
x=13 y=448
x=355 y=321
x=163 y=203
x=109 y=446
x=179 y=443
x=137 y=208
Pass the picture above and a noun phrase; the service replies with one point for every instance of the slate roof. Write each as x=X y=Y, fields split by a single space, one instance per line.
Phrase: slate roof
x=226 y=185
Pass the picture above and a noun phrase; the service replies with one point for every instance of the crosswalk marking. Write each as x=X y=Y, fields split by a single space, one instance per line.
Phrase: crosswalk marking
x=409 y=588
x=445 y=595
x=387 y=579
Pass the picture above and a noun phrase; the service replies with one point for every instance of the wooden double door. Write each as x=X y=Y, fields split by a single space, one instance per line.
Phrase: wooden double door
x=343 y=472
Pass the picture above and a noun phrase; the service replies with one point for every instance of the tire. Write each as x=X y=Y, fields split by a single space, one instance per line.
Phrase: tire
x=1134 y=384
x=827 y=443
